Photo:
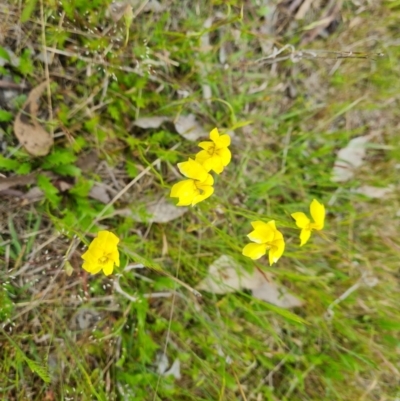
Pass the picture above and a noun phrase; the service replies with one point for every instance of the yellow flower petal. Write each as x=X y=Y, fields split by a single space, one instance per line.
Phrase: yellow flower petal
x=208 y=146
x=107 y=238
x=114 y=256
x=89 y=256
x=254 y=251
x=214 y=163
x=261 y=235
x=304 y=236
x=225 y=155
x=92 y=268
x=193 y=169
x=302 y=221
x=277 y=249
x=257 y=223
x=214 y=135
x=263 y=232
x=208 y=181
x=108 y=268
x=317 y=211
x=223 y=141
x=207 y=192
x=182 y=187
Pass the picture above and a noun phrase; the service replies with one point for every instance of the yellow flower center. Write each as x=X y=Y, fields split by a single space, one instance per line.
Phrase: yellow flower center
x=199 y=189
x=211 y=150
x=104 y=259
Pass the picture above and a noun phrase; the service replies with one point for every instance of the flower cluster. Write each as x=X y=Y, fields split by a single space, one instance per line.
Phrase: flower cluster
x=103 y=254
x=215 y=156
x=266 y=236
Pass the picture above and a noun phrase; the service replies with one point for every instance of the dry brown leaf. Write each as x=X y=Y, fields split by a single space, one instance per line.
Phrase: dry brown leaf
x=225 y=275
x=189 y=127
x=31 y=135
x=150 y=122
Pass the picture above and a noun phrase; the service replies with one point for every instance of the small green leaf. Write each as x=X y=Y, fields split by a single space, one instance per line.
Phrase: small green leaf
x=24 y=168
x=49 y=189
x=131 y=169
x=8 y=164
x=28 y=10
x=40 y=370
x=35 y=367
x=5 y=116
x=81 y=188
x=68 y=268
x=68 y=170
x=286 y=314
x=4 y=54
x=57 y=158
x=25 y=65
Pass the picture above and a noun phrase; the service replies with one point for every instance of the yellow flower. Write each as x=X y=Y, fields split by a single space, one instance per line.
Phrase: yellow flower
x=216 y=154
x=102 y=253
x=266 y=237
x=317 y=211
x=198 y=187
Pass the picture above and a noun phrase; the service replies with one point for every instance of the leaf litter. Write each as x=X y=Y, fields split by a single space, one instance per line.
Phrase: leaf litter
x=350 y=158
x=186 y=126
x=225 y=275
x=31 y=135
x=160 y=211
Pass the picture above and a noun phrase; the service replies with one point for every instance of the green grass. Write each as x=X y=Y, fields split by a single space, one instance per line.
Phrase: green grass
x=289 y=121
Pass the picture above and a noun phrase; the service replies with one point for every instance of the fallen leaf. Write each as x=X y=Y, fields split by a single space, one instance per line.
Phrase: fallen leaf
x=225 y=275
x=154 y=6
x=349 y=158
x=87 y=161
x=156 y=212
x=163 y=212
x=118 y=9
x=174 y=370
x=374 y=192
x=189 y=127
x=84 y=319
x=68 y=268
x=276 y=295
x=31 y=135
x=150 y=122
x=34 y=194
x=99 y=193
x=162 y=363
